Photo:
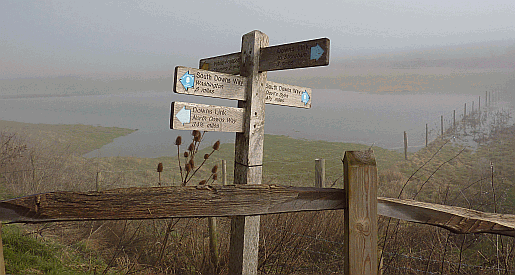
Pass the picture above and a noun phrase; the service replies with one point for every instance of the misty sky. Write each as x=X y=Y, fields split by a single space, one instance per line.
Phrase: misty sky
x=49 y=38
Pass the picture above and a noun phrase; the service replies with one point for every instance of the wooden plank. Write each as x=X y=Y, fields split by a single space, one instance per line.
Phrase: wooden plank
x=228 y=63
x=248 y=158
x=360 y=236
x=192 y=116
x=221 y=85
x=230 y=200
x=287 y=95
x=456 y=219
x=208 y=83
x=302 y=54
x=169 y=202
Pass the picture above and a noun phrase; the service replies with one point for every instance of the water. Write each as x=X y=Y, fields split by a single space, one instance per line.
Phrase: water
x=335 y=115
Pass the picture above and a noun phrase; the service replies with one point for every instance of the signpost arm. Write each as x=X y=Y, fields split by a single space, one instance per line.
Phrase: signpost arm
x=249 y=154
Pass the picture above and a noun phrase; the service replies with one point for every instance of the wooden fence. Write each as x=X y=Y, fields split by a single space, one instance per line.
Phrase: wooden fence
x=358 y=199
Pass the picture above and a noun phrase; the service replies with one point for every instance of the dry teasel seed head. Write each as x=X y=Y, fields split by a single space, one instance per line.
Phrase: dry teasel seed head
x=202 y=182
x=215 y=176
x=196 y=138
x=191 y=148
x=215 y=168
x=178 y=140
x=188 y=167
x=160 y=167
x=195 y=133
x=186 y=154
x=206 y=156
x=216 y=146
x=192 y=163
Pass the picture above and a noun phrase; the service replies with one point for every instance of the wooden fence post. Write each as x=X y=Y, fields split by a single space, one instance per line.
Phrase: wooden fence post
x=320 y=173
x=224 y=172
x=2 y=261
x=96 y=181
x=441 y=125
x=406 y=145
x=360 y=237
x=454 y=121
x=213 y=242
x=426 y=135
x=248 y=158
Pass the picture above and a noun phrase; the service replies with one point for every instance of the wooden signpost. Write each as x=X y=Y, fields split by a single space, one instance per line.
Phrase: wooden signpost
x=191 y=116
x=302 y=54
x=221 y=85
x=218 y=77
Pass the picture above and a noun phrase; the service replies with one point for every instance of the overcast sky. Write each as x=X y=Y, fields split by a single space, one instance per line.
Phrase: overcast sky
x=49 y=38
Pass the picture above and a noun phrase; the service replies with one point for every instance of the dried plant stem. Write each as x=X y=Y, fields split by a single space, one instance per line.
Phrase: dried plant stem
x=194 y=172
x=169 y=228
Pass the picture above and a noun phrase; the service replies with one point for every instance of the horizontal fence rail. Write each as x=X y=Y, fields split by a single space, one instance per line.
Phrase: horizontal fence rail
x=231 y=200
x=170 y=202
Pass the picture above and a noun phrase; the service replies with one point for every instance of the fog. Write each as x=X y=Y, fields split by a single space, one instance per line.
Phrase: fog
x=145 y=38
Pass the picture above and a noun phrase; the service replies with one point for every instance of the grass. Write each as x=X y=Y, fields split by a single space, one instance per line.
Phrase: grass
x=79 y=138
x=286 y=161
x=25 y=254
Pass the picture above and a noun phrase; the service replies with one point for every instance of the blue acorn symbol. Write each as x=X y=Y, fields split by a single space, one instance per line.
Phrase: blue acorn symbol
x=187 y=80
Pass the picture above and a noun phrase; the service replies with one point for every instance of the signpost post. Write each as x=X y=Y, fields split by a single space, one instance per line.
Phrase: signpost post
x=218 y=77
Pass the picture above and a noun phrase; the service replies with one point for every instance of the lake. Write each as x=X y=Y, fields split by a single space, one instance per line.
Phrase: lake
x=336 y=115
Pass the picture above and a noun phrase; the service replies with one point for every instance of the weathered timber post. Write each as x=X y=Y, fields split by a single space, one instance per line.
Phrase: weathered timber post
x=213 y=243
x=441 y=125
x=360 y=236
x=426 y=135
x=406 y=145
x=2 y=261
x=96 y=182
x=219 y=78
x=465 y=111
x=244 y=244
x=320 y=173
x=224 y=172
x=454 y=121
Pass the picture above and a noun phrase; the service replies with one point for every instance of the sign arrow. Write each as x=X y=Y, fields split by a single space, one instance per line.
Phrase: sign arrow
x=184 y=116
x=305 y=97
x=187 y=80
x=316 y=52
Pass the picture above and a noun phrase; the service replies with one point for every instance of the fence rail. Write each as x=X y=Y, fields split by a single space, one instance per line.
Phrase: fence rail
x=231 y=200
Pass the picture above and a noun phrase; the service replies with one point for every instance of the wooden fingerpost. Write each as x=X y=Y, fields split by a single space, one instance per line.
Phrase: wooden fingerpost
x=248 y=158
x=320 y=173
x=360 y=237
